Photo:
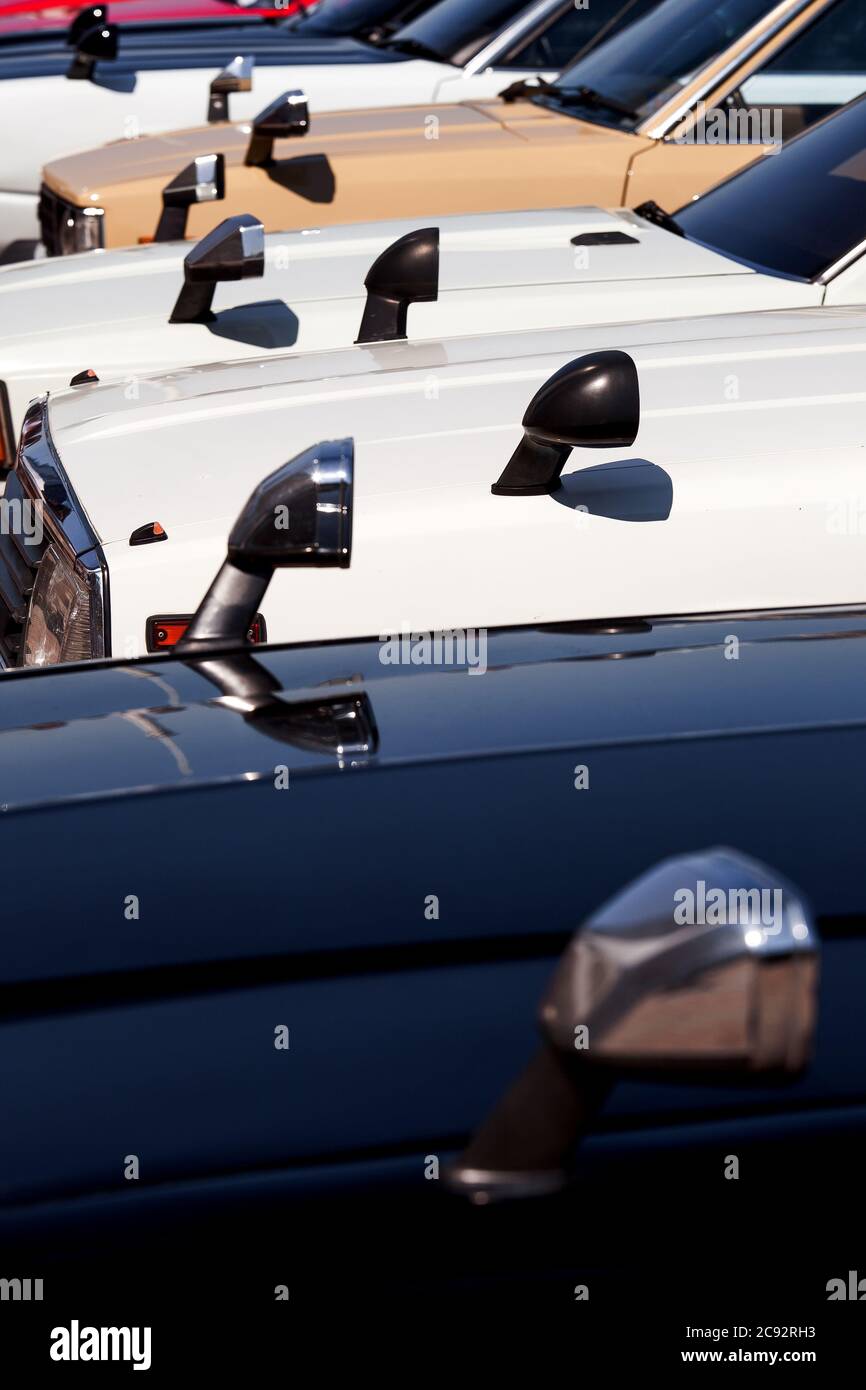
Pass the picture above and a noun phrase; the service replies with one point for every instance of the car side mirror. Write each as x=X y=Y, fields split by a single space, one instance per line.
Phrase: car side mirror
x=704 y=969
x=235 y=250
x=202 y=181
x=406 y=273
x=287 y=117
x=97 y=44
x=237 y=76
x=591 y=403
x=300 y=515
x=88 y=18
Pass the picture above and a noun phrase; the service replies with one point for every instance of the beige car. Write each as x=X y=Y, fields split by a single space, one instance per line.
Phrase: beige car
x=665 y=109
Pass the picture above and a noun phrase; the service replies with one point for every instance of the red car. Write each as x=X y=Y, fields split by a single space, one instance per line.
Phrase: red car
x=25 y=16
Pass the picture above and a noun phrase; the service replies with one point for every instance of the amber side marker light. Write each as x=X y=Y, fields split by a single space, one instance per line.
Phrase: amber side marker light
x=162 y=633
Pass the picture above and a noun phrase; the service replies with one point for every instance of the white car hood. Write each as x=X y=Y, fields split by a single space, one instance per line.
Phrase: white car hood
x=186 y=448
x=499 y=273
x=105 y=289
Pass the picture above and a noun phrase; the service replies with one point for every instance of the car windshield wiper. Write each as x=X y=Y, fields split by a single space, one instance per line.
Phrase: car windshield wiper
x=588 y=96
x=528 y=87
x=414 y=48
x=651 y=212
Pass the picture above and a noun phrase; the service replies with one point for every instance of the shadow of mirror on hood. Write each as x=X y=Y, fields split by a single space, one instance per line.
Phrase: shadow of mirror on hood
x=623 y=490
x=124 y=82
x=268 y=324
x=310 y=176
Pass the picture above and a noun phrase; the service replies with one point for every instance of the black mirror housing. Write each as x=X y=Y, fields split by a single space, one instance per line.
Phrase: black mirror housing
x=235 y=250
x=287 y=117
x=202 y=181
x=301 y=515
x=89 y=18
x=591 y=403
x=312 y=494
x=406 y=273
x=237 y=76
x=97 y=44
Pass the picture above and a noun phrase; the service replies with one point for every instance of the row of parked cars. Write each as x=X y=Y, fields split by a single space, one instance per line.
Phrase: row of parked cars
x=431 y=596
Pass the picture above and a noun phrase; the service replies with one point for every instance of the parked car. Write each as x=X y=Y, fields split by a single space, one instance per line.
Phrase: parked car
x=224 y=1043
x=732 y=473
x=786 y=233
x=663 y=109
x=219 y=70
x=47 y=16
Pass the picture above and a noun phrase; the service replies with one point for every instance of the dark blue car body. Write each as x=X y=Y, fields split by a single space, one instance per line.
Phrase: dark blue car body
x=307 y=906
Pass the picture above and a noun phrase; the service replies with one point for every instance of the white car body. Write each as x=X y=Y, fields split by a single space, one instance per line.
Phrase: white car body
x=62 y=117
x=744 y=488
x=109 y=311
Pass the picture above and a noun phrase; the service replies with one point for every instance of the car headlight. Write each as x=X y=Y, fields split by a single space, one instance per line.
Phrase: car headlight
x=82 y=229
x=65 y=618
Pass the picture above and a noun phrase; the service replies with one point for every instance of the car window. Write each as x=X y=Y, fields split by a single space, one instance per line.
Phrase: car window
x=645 y=64
x=342 y=17
x=821 y=69
x=455 y=30
x=795 y=212
x=557 y=42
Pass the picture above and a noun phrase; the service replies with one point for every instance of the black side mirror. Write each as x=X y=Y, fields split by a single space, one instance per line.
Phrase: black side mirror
x=96 y=44
x=235 y=250
x=202 y=181
x=86 y=19
x=406 y=273
x=286 y=117
x=301 y=515
x=592 y=403
x=237 y=76
x=704 y=970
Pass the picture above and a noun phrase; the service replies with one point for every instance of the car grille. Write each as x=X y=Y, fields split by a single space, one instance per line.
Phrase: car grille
x=54 y=213
x=19 y=561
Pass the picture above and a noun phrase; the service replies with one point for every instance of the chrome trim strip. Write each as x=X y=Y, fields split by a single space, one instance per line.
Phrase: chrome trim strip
x=486 y=58
x=851 y=255
x=41 y=462
x=659 y=125
x=66 y=522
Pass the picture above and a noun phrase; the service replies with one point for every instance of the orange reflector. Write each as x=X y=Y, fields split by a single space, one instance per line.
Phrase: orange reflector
x=162 y=633
x=145 y=240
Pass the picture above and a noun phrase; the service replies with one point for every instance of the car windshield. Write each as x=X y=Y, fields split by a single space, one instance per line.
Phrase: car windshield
x=624 y=80
x=356 y=17
x=795 y=212
x=455 y=30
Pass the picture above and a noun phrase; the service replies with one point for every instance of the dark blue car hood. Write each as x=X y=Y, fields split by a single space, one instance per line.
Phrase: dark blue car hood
x=309 y=905
x=469 y=792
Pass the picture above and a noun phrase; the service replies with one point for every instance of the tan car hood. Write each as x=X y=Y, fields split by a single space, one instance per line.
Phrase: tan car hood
x=355 y=167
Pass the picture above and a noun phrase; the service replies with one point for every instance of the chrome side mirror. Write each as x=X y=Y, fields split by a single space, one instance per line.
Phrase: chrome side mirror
x=235 y=250
x=202 y=181
x=288 y=116
x=591 y=403
x=705 y=968
x=236 y=76
x=300 y=515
